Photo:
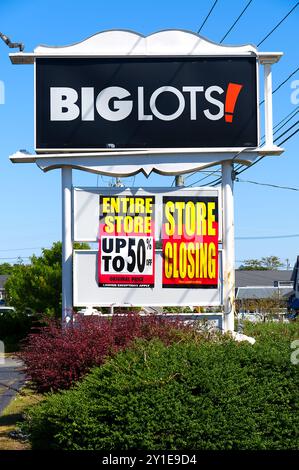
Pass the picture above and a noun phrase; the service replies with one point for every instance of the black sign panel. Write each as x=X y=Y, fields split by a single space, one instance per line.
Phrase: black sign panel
x=99 y=103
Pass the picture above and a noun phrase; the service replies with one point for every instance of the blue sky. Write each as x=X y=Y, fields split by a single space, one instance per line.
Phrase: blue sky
x=30 y=200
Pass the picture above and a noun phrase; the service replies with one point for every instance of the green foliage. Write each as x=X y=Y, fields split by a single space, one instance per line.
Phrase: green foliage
x=271 y=262
x=6 y=268
x=177 y=310
x=273 y=336
x=38 y=285
x=190 y=395
x=252 y=264
x=264 y=264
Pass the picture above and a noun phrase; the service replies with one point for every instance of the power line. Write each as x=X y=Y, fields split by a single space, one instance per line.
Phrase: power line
x=282 y=83
x=199 y=171
x=23 y=249
x=278 y=24
x=285 y=140
x=266 y=237
x=201 y=179
x=267 y=184
x=280 y=143
x=296 y=109
x=207 y=17
x=218 y=180
x=287 y=118
x=252 y=164
x=236 y=21
x=294 y=112
x=192 y=174
x=291 y=115
x=285 y=132
x=215 y=182
x=278 y=129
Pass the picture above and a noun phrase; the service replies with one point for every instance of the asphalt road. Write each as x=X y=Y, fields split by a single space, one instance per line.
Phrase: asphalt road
x=11 y=380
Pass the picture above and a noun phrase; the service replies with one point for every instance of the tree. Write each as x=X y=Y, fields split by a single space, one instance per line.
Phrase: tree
x=6 y=268
x=38 y=285
x=252 y=264
x=272 y=262
x=264 y=264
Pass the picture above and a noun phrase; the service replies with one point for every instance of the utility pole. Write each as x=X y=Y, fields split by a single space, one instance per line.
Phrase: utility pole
x=179 y=181
x=118 y=183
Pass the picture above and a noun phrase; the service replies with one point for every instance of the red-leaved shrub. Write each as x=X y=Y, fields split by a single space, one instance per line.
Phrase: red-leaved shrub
x=56 y=357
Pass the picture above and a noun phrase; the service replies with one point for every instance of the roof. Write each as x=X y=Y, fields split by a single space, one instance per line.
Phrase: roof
x=263 y=292
x=257 y=278
x=3 y=279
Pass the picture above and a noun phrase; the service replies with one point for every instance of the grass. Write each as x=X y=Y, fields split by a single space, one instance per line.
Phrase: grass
x=12 y=415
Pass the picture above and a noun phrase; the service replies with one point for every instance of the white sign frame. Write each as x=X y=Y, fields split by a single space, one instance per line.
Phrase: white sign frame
x=86 y=291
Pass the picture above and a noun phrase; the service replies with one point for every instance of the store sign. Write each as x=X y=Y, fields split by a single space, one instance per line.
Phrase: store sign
x=190 y=242
x=156 y=246
x=126 y=241
x=129 y=103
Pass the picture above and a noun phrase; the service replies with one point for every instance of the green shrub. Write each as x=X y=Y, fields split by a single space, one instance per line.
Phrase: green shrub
x=56 y=357
x=188 y=395
x=272 y=332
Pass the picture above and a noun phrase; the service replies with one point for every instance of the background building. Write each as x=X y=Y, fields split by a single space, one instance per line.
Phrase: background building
x=263 y=291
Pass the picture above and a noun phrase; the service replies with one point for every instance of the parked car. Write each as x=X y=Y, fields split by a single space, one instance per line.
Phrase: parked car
x=89 y=311
x=249 y=316
x=292 y=316
x=5 y=309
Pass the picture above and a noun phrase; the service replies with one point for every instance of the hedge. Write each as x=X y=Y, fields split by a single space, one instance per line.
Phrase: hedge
x=57 y=357
x=184 y=396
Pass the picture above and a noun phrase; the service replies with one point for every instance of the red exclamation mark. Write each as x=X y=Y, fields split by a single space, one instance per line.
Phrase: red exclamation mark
x=232 y=94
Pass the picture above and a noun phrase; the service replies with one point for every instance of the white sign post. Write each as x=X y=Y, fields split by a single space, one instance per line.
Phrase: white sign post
x=228 y=247
x=67 y=243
